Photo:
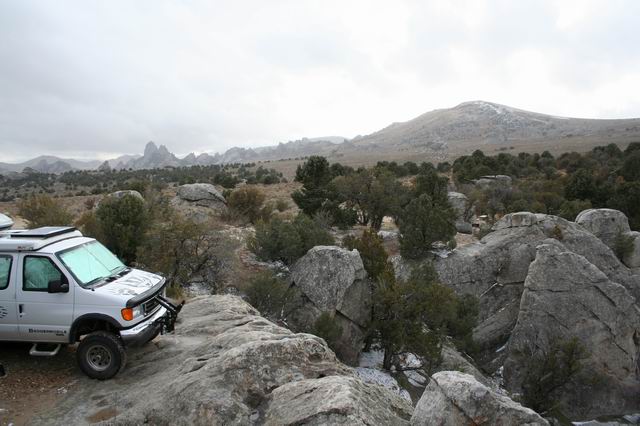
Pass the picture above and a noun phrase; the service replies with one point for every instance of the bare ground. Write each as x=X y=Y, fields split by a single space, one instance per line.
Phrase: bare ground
x=31 y=385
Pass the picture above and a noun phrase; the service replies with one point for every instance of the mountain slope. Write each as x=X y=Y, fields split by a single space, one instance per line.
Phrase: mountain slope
x=49 y=164
x=489 y=126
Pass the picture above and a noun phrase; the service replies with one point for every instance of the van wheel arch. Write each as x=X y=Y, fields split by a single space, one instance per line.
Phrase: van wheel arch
x=90 y=323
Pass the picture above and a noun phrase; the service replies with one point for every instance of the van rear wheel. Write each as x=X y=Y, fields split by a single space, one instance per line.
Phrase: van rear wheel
x=101 y=355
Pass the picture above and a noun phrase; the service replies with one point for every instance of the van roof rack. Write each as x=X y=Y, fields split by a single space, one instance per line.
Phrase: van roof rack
x=35 y=239
x=43 y=232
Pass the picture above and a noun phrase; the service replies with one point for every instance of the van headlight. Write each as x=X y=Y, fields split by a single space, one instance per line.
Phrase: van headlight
x=128 y=314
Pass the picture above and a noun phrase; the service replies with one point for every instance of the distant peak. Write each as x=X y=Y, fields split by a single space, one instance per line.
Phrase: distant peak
x=479 y=103
x=485 y=107
x=163 y=150
x=150 y=148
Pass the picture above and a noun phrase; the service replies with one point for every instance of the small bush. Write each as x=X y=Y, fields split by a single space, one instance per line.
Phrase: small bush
x=570 y=209
x=282 y=205
x=269 y=294
x=328 y=328
x=181 y=249
x=374 y=257
x=123 y=222
x=623 y=245
x=90 y=226
x=42 y=210
x=288 y=241
x=557 y=233
x=550 y=371
x=247 y=202
x=424 y=221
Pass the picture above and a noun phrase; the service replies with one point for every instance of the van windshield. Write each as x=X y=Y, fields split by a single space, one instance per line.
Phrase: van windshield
x=91 y=262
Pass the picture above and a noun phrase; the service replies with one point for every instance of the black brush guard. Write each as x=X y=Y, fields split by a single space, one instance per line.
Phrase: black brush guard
x=168 y=321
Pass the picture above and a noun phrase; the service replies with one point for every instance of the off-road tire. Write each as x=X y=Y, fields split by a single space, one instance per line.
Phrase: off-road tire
x=101 y=355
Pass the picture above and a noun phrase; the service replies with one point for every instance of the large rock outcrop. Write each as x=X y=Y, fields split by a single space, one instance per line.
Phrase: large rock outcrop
x=227 y=365
x=332 y=279
x=495 y=268
x=608 y=225
x=460 y=204
x=453 y=398
x=566 y=296
x=199 y=201
x=201 y=194
x=605 y=224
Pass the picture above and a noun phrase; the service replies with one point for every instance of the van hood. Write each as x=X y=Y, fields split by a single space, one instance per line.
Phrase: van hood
x=134 y=283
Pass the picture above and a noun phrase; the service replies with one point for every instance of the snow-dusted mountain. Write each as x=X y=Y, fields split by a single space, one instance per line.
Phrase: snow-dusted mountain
x=490 y=126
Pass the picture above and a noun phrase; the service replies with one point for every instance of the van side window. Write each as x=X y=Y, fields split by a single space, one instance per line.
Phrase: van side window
x=5 y=271
x=38 y=271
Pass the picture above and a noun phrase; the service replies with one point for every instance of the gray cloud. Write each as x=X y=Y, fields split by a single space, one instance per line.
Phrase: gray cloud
x=94 y=78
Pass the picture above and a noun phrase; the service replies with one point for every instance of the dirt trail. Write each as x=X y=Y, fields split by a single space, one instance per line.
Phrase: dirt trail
x=31 y=385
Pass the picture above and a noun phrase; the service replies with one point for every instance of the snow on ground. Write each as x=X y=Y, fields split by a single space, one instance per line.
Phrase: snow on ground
x=371 y=375
x=370 y=371
x=371 y=359
x=414 y=376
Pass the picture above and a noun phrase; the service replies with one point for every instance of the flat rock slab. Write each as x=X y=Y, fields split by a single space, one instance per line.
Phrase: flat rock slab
x=224 y=365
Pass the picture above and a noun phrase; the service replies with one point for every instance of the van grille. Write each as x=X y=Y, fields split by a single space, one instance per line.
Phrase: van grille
x=150 y=306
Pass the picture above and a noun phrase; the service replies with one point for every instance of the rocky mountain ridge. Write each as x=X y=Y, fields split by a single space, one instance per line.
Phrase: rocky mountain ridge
x=490 y=126
x=433 y=136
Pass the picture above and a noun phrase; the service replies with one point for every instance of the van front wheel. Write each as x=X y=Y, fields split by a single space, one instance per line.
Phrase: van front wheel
x=101 y=355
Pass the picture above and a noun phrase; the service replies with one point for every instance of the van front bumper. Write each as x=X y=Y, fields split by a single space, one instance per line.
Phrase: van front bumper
x=141 y=333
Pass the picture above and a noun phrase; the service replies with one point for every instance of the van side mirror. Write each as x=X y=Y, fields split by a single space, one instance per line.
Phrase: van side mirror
x=58 y=286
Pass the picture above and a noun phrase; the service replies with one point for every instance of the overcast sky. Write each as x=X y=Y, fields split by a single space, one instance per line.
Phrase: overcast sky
x=89 y=79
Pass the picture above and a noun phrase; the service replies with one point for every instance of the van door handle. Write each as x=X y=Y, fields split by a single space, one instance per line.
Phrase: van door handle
x=21 y=310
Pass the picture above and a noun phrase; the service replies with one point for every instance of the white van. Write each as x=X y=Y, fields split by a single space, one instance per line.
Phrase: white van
x=58 y=287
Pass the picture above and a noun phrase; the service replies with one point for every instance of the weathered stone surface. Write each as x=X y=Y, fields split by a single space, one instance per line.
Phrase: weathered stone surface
x=202 y=194
x=453 y=398
x=517 y=220
x=199 y=202
x=225 y=365
x=332 y=279
x=605 y=224
x=453 y=360
x=335 y=400
x=494 y=270
x=566 y=296
x=460 y=204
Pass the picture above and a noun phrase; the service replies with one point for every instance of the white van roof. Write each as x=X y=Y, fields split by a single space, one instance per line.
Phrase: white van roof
x=35 y=239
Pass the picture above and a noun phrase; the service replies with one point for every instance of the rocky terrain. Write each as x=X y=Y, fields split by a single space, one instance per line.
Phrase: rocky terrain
x=226 y=364
x=566 y=296
x=541 y=279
